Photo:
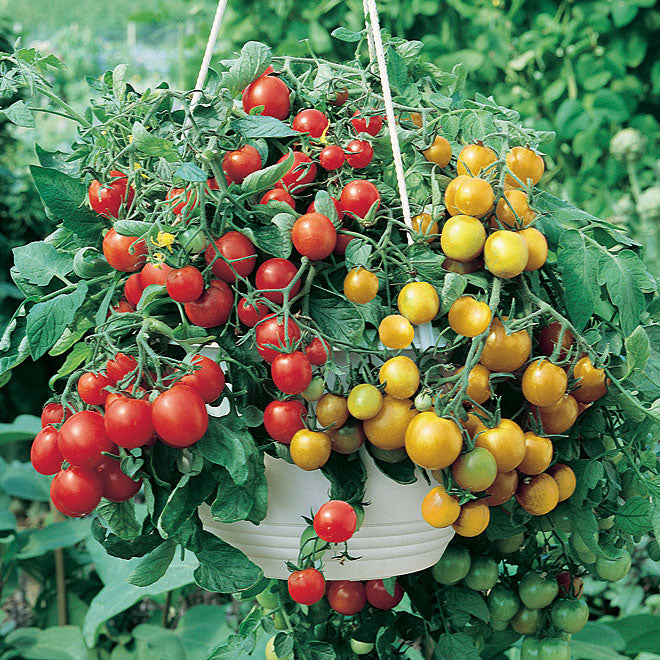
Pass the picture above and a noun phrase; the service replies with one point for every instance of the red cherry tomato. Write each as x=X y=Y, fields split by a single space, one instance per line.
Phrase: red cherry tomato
x=154 y=274
x=185 y=284
x=359 y=153
x=241 y=163
x=124 y=253
x=208 y=380
x=300 y=174
x=128 y=422
x=283 y=418
x=335 y=521
x=53 y=413
x=332 y=157
x=272 y=331
x=235 y=254
x=122 y=307
x=133 y=289
x=213 y=307
x=340 y=98
x=251 y=313
x=119 y=366
x=314 y=236
x=342 y=243
x=83 y=438
x=179 y=416
x=272 y=93
x=310 y=121
x=116 y=485
x=179 y=198
x=107 y=198
x=92 y=388
x=318 y=351
x=340 y=213
x=291 y=372
x=278 y=195
x=346 y=597
x=276 y=274
x=370 y=125
x=358 y=196
x=76 y=492
x=44 y=454
x=307 y=586
x=379 y=598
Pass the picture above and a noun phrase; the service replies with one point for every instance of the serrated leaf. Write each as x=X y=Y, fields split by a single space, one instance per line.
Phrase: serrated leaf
x=267 y=177
x=119 y=81
x=262 y=126
x=468 y=601
x=253 y=61
x=18 y=113
x=190 y=172
x=39 y=262
x=456 y=646
x=135 y=228
x=358 y=253
x=274 y=238
x=634 y=516
x=453 y=286
x=638 y=350
x=152 y=145
x=154 y=565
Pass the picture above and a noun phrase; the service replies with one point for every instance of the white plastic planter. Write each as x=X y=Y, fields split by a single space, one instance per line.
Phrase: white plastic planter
x=394 y=538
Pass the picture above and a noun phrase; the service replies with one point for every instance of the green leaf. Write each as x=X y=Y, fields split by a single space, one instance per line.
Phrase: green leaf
x=57 y=160
x=39 y=262
x=37 y=542
x=586 y=526
x=79 y=353
x=56 y=643
x=634 y=516
x=253 y=61
x=468 y=601
x=65 y=198
x=120 y=517
x=18 y=113
x=24 y=427
x=134 y=228
x=621 y=274
x=152 y=145
x=347 y=476
x=427 y=264
x=502 y=525
x=358 y=253
x=119 y=81
x=14 y=347
x=267 y=177
x=22 y=480
x=452 y=288
x=344 y=34
x=71 y=337
x=638 y=350
x=261 y=126
x=190 y=172
x=578 y=261
x=202 y=628
x=153 y=566
x=47 y=321
x=456 y=646
x=274 y=238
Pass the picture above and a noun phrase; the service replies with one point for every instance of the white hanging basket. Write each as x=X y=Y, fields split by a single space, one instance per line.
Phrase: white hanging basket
x=394 y=538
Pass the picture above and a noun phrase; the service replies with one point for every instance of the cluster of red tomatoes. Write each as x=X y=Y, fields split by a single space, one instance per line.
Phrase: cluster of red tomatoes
x=81 y=448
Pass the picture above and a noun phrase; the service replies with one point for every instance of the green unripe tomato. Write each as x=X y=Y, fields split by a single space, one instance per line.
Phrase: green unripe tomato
x=483 y=574
x=268 y=598
x=537 y=591
x=361 y=648
x=584 y=553
x=503 y=604
x=554 y=648
x=615 y=569
x=562 y=519
x=389 y=455
x=453 y=566
x=526 y=621
x=270 y=651
x=498 y=625
x=606 y=523
x=314 y=390
x=423 y=402
x=530 y=649
x=192 y=240
x=569 y=615
x=510 y=544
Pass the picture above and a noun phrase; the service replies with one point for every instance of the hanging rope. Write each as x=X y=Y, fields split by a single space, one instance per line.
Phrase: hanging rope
x=208 y=53
x=374 y=30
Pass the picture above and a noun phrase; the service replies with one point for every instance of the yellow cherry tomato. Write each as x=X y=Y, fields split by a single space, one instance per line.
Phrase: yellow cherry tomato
x=310 y=450
x=537 y=246
x=396 y=332
x=401 y=377
x=450 y=193
x=506 y=253
x=418 y=302
x=469 y=317
x=526 y=165
x=425 y=225
x=474 y=197
x=462 y=238
x=364 y=401
x=514 y=200
x=387 y=429
x=433 y=442
x=439 y=152
x=360 y=285
x=473 y=159
x=440 y=509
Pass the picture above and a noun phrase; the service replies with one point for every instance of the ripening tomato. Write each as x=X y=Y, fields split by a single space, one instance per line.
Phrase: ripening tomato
x=367 y=124
x=239 y=164
x=270 y=92
x=318 y=351
x=233 y=254
x=340 y=213
x=332 y=157
x=347 y=439
x=92 y=388
x=332 y=411
x=526 y=165
x=208 y=379
x=122 y=307
x=473 y=159
x=128 y=422
x=83 y=438
x=272 y=330
x=124 y=253
x=475 y=470
x=76 y=492
x=462 y=238
x=53 y=413
x=346 y=597
x=506 y=442
x=310 y=121
x=300 y=174
x=439 y=152
x=544 y=383
x=364 y=401
x=310 y=450
x=278 y=195
x=213 y=307
x=358 y=196
x=251 y=313
x=425 y=225
x=116 y=485
x=133 y=289
x=378 y=596
x=307 y=586
x=433 y=442
x=340 y=97
x=179 y=416
x=291 y=372
x=387 y=429
x=154 y=274
x=274 y=275
x=474 y=197
x=179 y=199
x=360 y=285
x=503 y=352
x=108 y=198
x=396 y=332
x=185 y=284
x=342 y=242
x=45 y=455
x=418 y=302
x=335 y=521
x=120 y=366
x=469 y=317
x=314 y=236
x=359 y=153
x=283 y=419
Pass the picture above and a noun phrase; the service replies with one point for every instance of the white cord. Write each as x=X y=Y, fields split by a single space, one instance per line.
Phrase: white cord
x=208 y=53
x=389 y=109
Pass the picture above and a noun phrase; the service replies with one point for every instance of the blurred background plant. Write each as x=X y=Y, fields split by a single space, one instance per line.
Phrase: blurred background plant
x=586 y=69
